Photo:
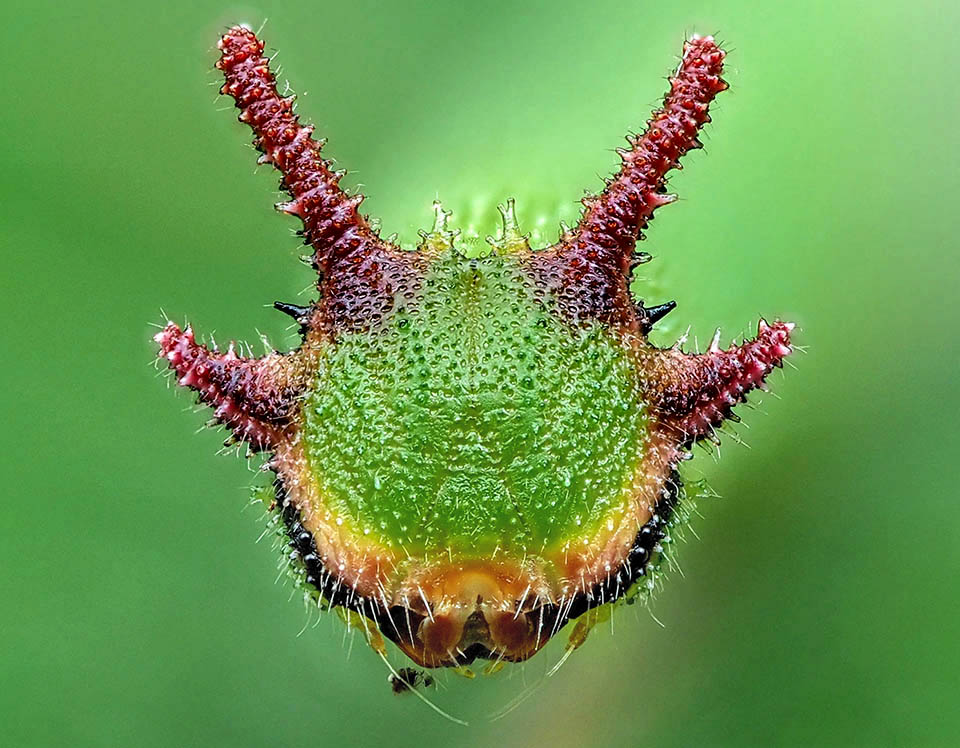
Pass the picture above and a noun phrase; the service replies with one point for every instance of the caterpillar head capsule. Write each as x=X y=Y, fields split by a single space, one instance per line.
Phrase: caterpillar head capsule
x=470 y=452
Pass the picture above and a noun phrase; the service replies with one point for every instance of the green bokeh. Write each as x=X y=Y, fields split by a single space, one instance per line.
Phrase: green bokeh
x=819 y=606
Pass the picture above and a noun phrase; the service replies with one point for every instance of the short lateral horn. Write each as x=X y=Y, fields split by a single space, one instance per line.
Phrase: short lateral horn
x=255 y=398
x=692 y=393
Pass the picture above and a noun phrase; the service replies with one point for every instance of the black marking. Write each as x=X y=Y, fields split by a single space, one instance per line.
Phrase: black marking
x=615 y=585
x=299 y=313
x=554 y=617
x=649 y=316
x=657 y=313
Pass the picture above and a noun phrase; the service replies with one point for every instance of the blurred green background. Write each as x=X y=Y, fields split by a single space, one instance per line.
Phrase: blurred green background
x=820 y=605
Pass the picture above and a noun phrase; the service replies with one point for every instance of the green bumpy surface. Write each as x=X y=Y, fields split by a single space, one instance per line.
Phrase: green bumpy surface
x=474 y=418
